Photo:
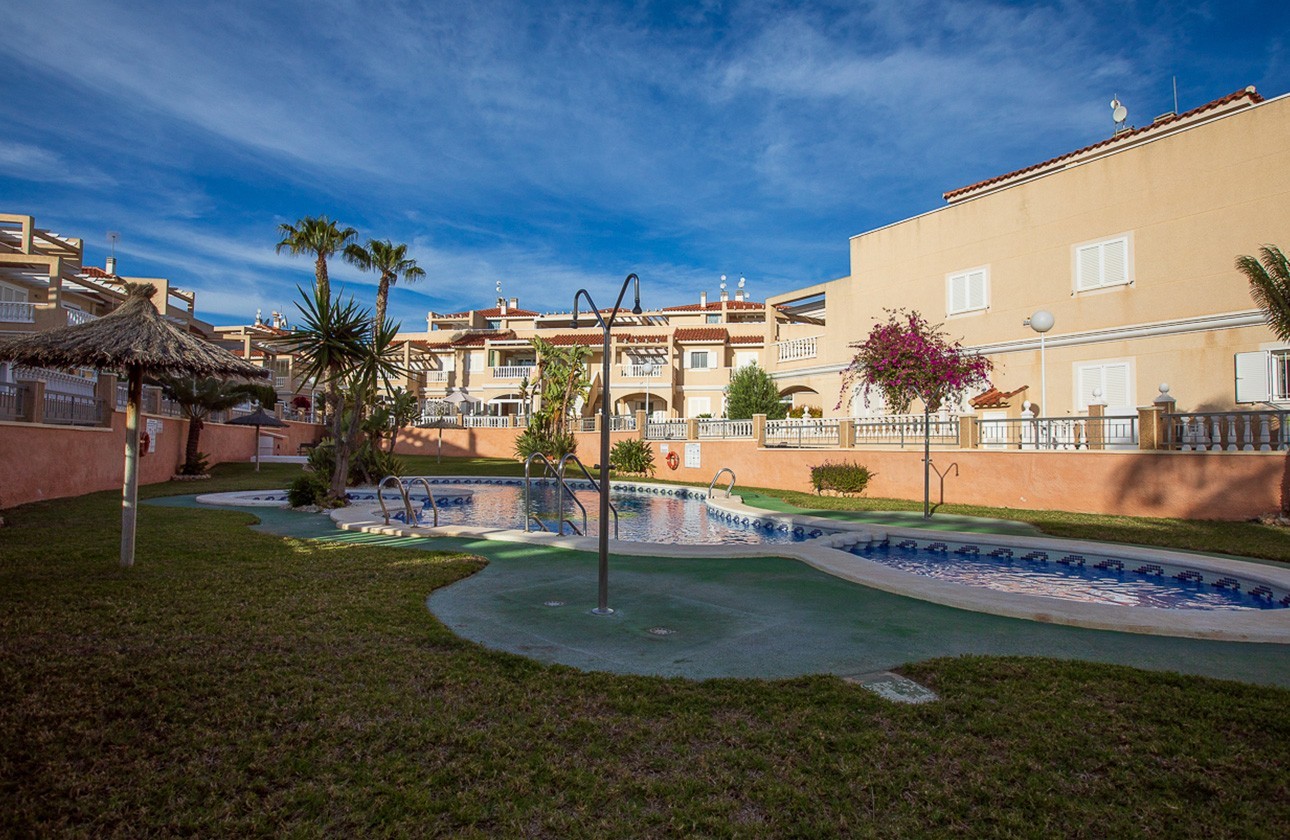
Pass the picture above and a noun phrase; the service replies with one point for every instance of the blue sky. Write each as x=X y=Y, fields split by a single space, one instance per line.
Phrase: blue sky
x=554 y=146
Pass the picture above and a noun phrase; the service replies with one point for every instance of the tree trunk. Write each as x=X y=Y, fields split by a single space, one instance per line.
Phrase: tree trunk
x=339 y=474
x=191 y=451
x=1285 y=486
x=320 y=276
x=382 y=295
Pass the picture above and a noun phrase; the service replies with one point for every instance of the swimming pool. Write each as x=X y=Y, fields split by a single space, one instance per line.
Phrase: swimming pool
x=1099 y=578
x=830 y=546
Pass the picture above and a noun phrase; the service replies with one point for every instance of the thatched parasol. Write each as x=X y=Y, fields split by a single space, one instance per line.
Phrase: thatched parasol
x=257 y=418
x=138 y=339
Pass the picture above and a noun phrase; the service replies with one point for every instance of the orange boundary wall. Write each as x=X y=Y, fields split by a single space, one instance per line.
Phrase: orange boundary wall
x=40 y=461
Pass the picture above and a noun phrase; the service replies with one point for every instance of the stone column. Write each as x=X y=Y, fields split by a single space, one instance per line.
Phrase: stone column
x=847 y=433
x=759 y=429
x=1096 y=430
x=105 y=390
x=641 y=422
x=34 y=409
x=969 y=432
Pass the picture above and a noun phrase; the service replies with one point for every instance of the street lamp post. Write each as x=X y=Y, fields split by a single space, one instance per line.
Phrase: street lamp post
x=1041 y=322
x=602 y=602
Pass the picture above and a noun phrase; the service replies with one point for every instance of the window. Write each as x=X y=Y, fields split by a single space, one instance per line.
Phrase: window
x=1109 y=382
x=1099 y=265
x=694 y=406
x=700 y=359
x=743 y=358
x=12 y=294
x=968 y=291
x=1263 y=376
x=494 y=324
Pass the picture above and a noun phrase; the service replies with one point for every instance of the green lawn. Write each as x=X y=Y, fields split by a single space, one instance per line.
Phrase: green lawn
x=237 y=683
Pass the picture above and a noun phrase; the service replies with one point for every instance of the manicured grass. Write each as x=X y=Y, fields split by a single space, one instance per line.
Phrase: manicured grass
x=236 y=683
x=1247 y=539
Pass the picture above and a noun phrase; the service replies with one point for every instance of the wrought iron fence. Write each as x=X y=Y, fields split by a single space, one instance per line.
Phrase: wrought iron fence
x=1059 y=433
x=69 y=410
x=13 y=401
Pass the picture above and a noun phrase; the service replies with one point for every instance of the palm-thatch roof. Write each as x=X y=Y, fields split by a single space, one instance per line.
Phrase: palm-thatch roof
x=133 y=335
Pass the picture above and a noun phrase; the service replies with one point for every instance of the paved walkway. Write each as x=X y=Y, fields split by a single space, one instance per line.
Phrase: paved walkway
x=763 y=617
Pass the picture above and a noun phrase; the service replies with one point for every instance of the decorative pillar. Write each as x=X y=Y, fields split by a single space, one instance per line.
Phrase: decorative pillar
x=1096 y=432
x=34 y=410
x=692 y=428
x=847 y=433
x=759 y=429
x=105 y=392
x=969 y=432
x=641 y=422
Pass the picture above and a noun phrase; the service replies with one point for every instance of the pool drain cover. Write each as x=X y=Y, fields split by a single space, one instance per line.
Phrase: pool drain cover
x=660 y=631
x=553 y=603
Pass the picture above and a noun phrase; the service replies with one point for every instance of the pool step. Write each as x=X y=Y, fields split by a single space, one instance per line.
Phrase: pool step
x=893 y=687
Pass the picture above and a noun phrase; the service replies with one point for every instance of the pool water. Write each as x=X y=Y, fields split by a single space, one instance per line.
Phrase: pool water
x=1076 y=577
x=656 y=514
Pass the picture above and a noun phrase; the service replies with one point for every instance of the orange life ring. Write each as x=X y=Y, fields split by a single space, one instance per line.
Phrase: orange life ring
x=673 y=460
x=145 y=442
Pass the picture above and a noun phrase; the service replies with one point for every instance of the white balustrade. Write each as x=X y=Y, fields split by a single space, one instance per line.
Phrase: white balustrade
x=512 y=371
x=76 y=317
x=16 y=312
x=636 y=371
x=797 y=348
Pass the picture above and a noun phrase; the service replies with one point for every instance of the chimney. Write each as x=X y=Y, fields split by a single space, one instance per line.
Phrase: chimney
x=111 y=266
x=703 y=298
x=725 y=295
x=515 y=303
x=501 y=304
x=739 y=294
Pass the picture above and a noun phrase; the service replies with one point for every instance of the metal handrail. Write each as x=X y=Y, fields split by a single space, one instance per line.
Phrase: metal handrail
x=729 y=489
x=403 y=494
x=561 y=487
x=572 y=526
x=594 y=486
x=535 y=518
x=429 y=493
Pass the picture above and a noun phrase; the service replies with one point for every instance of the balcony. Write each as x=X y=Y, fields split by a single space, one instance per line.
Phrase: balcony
x=511 y=371
x=75 y=317
x=796 y=349
x=640 y=371
x=14 y=312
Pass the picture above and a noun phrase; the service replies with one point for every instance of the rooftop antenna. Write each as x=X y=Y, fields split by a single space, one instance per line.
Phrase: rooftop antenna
x=112 y=237
x=1175 y=94
x=1118 y=113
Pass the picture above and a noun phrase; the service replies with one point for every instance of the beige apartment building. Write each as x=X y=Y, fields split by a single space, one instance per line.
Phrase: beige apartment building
x=1128 y=243
x=43 y=284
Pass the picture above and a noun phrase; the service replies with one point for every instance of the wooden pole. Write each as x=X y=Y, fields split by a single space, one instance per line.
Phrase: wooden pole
x=130 y=490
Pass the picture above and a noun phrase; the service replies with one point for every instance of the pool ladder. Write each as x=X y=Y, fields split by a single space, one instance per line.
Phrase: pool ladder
x=562 y=488
x=410 y=517
x=713 y=483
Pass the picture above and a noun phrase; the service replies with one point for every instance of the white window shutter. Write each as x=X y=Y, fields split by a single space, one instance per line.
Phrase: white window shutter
x=957 y=294
x=1087 y=379
x=976 y=290
x=1115 y=263
x=1254 y=377
x=1088 y=268
x=1116 y=388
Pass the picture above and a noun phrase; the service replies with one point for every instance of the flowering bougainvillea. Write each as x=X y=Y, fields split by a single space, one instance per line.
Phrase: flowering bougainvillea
x=906 y=359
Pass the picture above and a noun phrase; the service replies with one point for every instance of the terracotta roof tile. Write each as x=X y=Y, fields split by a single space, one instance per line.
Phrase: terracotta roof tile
x=747 y=339
x=994 y=398
x=478 y=339
x=95 y=271
x=1250 y=92
x=702 y=334
x=495 y=312
x=570 y=339
x=642 y=339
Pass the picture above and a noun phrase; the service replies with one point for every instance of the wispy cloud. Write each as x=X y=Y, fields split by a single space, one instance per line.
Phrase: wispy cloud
x=559 y=146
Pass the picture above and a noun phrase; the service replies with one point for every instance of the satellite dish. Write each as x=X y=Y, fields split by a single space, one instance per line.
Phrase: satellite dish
x=1118 y=112
x=741 y=282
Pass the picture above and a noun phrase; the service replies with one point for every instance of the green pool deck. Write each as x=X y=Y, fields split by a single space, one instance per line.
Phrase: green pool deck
x=768 y=617
x=899 y=518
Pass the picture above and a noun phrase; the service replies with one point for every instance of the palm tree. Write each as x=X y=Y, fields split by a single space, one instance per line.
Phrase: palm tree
x=331 y=344
x=198 y=398
x=403 y=409
x=319 y=236
x=390 y=261
x=1269 y=278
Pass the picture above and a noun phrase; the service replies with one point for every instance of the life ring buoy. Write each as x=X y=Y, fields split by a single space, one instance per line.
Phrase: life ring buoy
x=145 y=443
x=673 y=460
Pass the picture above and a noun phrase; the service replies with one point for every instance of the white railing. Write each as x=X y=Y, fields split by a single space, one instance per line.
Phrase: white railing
x=725 y=428
x=804 y=432
x=15 y=312
x=797 y=348
x=903 y=430
x=486 y=421
x=622 y=423
x=76 y=317
x=1228 y=431
x=512 y=371
x=437 y=375
x=640 y=371
x=281 y=381
x=665 y=430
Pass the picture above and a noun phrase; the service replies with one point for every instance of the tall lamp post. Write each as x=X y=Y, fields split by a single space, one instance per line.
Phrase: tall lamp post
x=602 y=603
x=1041 y=322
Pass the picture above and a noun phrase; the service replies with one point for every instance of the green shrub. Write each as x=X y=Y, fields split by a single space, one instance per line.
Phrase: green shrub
x=368 y=464
x=805 y=411
x=632 y=456
x=538 y=438
x=199 y=466
x=307 y=489
x=842 y=477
